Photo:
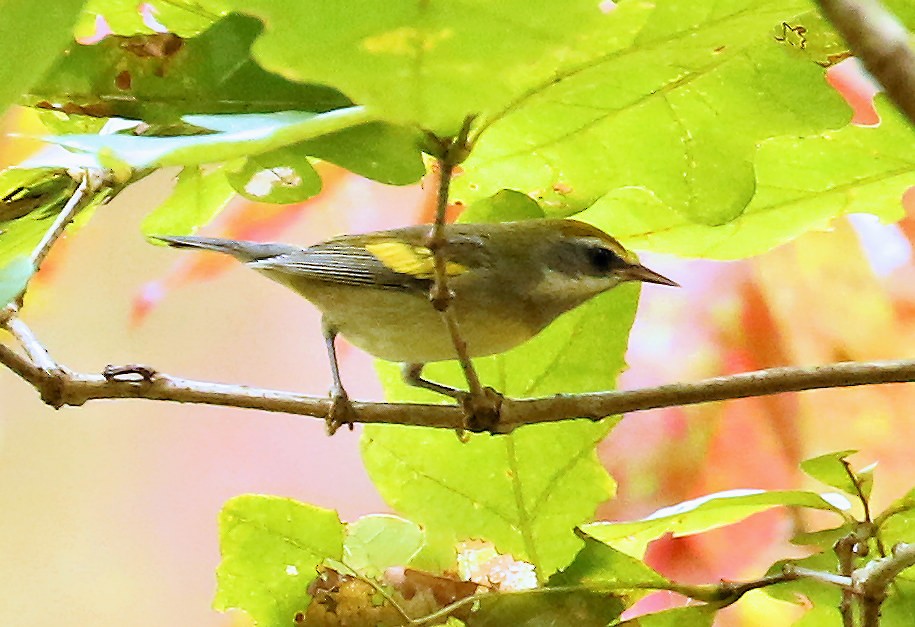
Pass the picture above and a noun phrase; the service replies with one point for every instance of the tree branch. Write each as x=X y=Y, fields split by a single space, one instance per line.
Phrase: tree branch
x=59 y=387
x=62 y=221
x=872 y=580
x=881 y=42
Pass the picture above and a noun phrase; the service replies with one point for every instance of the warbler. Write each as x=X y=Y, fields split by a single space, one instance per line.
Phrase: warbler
x=508 y=282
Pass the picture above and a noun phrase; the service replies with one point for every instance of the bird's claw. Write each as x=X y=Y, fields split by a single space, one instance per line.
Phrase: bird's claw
x=341 y=413
x=481 y=412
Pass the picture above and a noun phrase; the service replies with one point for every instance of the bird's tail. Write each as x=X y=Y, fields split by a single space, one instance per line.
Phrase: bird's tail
x=243 y=251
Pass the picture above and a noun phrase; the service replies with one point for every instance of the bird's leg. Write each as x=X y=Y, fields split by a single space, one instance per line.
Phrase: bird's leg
x=342 y=411
x=481 y=413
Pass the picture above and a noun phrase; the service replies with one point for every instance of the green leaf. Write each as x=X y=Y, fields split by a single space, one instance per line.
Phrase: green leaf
x=803 y=591
x=234 y=136
x=196 y=200
x=527 y=490
x=701 y=514
x=283 y=176
x=692 y=616
x=270 y=548
x=897 y=523
x=30 y=199
x=899 y=608
x=47 y=29
x=831 y=470
x=123 y=17
x=382 y=152
x=424 y=64
x=676 y=103
x=14 y=276
x=503 y=206
x=556 y=608
x=599 y=565
x=376 y=542
x=802 y=184
x=210 y=73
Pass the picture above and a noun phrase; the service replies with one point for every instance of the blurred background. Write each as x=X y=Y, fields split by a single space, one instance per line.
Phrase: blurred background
x=109 y=510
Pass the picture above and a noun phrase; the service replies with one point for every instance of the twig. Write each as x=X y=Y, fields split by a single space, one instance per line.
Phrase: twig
x=63 y=219
x=25 y=369
x=819 y=575
x=845 y=551
x=33 y=348
x=77 y=388
x=881 y=42
x=481 y=408
x=872 y=580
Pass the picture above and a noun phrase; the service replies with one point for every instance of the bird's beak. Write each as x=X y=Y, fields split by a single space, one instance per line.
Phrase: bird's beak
x=638 y=272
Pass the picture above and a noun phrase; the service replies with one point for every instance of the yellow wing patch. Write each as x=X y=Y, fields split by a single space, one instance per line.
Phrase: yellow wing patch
x=415 y=261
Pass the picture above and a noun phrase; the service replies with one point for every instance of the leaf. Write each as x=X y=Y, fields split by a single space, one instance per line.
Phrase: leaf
x=124 y=17
x=676 y=102
x=802 y=184
x=599 y=565
x=700 y=514
x=421 y=63
x=832 y=470
x=804 y=591
x=47 y=29
x=899 y=608
x=377 y=542
x=282 y=176
x=14 y=276
x=196 y=200
x=691 y=616
x=534 y=608
x=234 y=136
x=270 y=548
x=527 y=490
x=897 y=523
x=503 y=206
x=30 y=199
x=382 y=152
x=210 y=73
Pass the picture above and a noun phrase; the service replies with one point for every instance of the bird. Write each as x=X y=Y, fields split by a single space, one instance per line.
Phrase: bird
x=508 y=281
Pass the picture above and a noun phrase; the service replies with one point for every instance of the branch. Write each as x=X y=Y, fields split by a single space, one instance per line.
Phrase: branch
x=872 y=580
x=62 y=221
x=59 y=387
x=881 y=42
x=481 y=405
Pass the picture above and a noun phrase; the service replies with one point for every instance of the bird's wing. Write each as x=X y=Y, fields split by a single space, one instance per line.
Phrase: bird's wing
x=372 y=261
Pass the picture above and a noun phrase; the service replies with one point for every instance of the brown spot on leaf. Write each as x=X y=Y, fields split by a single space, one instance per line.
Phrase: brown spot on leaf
x=93 y=109
x=123 y=80
x=157 y=45
x=832 y=59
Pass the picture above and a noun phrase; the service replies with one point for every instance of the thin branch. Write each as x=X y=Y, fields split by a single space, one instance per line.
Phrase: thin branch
x=65 y=387
x=872 y=580
x=481 y=408
x=881 y=42
x=36 y=351
x=819 y=575
x=845 y=551
x=62 y=221
x=25 y=369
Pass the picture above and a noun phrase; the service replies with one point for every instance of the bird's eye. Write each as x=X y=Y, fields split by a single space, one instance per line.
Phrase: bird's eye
x=603 y=259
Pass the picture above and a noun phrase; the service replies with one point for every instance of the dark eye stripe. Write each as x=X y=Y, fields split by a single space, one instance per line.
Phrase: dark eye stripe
x=603 y=259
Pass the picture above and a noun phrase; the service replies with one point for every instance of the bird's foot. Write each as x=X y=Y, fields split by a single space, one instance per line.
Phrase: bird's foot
x=341 y=413
x=481 y=412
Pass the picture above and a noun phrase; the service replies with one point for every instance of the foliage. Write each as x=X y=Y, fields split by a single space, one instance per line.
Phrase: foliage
x=700 y=129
